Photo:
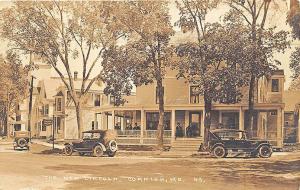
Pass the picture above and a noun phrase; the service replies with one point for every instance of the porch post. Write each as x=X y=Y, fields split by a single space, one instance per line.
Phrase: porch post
x=113 y=119
x=202 y=124
x=95 y=121
x=279 y=127
x=241 y=119
x=142 y=126
x=173 y=125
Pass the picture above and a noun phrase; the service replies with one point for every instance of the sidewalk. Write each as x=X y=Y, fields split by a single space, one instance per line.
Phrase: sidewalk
x=58 y=146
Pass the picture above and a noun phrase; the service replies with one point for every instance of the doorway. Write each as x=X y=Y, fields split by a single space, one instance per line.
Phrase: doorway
x=193 y=129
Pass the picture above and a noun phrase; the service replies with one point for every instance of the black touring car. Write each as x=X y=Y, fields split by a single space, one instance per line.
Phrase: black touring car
x=230 y=141
x=94 y=142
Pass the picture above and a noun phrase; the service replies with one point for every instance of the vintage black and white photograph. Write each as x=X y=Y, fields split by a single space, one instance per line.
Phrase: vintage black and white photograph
x=150 y=94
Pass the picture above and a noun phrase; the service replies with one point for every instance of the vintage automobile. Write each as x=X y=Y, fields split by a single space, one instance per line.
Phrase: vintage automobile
x=21 y=140
x=94 y=142
x=222 y=142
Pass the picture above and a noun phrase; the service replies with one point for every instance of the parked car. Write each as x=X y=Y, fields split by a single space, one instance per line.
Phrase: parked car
x=95 y=142
x=222 y=142
x=21 y=140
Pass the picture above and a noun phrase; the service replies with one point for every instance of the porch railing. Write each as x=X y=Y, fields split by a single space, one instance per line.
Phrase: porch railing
x=146 y=133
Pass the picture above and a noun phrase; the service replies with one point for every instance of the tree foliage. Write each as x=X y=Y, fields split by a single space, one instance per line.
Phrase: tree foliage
x=64 y=34
x=14 y=86
x=144 y=57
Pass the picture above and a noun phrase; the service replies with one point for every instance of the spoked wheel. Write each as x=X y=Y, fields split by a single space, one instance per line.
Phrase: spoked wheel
x=265 y=151
x=98 y=151
x=219 y=152
x=68 y=150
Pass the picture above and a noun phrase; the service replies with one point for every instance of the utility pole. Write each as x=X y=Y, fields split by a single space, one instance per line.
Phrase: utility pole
x=30 y=107
x=53 y=131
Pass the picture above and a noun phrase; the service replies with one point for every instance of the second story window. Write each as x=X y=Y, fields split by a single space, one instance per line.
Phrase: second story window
x=97 y=100
x=194 y=95
x=46 y=109
x=112 y=100
x=58 y=104
x=275 y=85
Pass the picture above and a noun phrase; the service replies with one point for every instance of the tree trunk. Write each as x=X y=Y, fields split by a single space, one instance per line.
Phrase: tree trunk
x=207 y=118
x=160 y=127
x=79 y=119
x=251 y=105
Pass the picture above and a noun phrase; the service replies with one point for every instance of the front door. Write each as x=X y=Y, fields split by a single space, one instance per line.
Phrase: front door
x=193 y=129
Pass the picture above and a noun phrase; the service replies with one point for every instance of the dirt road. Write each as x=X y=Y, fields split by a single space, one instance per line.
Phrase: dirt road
x=35 y=171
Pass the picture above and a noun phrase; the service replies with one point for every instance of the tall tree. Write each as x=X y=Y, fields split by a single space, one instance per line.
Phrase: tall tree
x=193 y=18
x=254 y=13
x=294 y=21
x=65 y=35
x=146 y=54
x=14 y=87
x=213 y=66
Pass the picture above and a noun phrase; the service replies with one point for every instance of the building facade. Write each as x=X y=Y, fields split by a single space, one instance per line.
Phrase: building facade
x=138 y=118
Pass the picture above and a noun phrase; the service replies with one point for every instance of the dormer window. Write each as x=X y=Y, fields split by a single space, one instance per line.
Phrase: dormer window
x=275 y=85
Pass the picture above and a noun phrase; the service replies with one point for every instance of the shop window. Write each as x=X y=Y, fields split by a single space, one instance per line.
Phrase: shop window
x=275 y=85
x=194 y=95
x=230 y=120
x=153 y=118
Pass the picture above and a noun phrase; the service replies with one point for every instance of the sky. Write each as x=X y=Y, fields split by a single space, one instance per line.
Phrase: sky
x=275 y=18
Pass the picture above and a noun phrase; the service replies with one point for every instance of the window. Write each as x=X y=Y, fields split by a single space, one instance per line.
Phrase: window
x=97 y=100
x=18 y=118
x=153 y=118
x=46 y=109
x=230 y=120
x=59 y=104
x=194 y=95
x=17 y=127
x=157 y=95
x=275 y=85
x=44 y=128
x=112 y=100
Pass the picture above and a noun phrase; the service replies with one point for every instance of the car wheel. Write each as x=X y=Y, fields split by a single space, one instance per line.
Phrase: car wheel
x=22 y=142
x=219 y=152
x=111 y=154
x=68 y=150
x=265 y=151
x=113 y=146
x=98 y=151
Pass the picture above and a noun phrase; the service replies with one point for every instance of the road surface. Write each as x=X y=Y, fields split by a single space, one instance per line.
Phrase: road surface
x=35 y=170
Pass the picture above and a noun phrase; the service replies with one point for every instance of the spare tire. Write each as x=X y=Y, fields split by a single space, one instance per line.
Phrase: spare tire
x=22 y=142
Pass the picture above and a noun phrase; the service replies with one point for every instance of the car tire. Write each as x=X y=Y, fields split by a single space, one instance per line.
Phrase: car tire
x=98 y=151
x=111 y=154
x=219 y=151
x=68 y=150
x=113 y=147
x=265 y=151
x=22 y=142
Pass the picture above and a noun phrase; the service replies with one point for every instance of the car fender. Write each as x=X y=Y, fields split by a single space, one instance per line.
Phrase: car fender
x=69 y=144
x=103 y=147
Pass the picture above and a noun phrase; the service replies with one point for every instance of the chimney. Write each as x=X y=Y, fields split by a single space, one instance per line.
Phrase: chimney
x=75 y=75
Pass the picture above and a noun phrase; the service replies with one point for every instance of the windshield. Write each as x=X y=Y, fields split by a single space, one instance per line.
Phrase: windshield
x=231 y=135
